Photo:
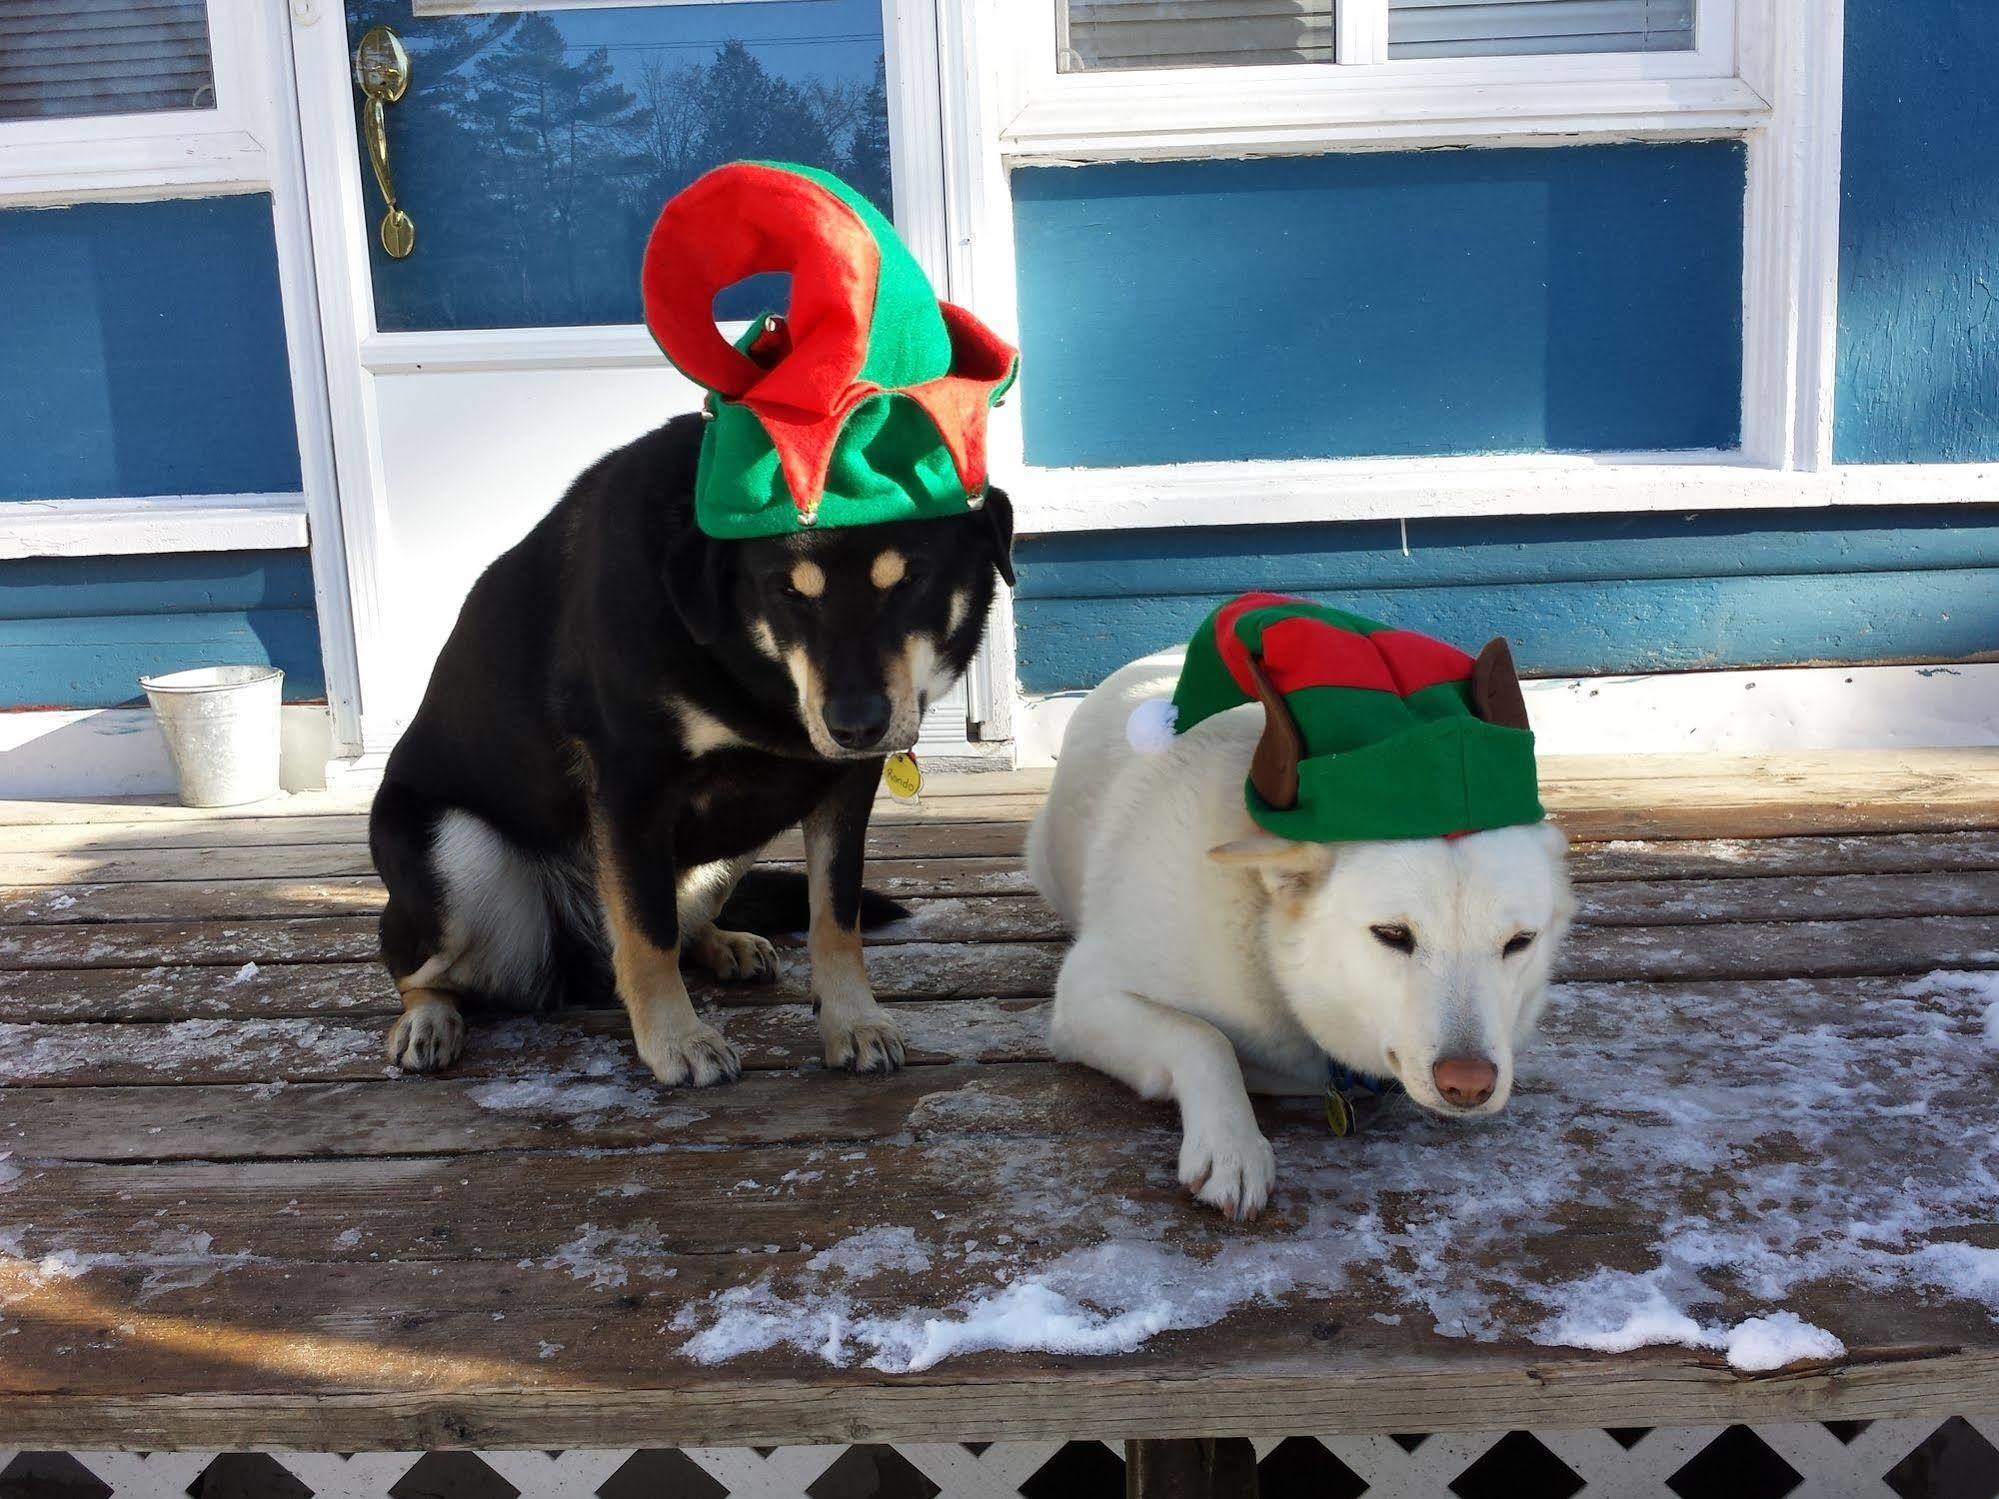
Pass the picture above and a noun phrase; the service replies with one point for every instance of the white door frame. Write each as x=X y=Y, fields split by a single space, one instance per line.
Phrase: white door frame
x=355 y=354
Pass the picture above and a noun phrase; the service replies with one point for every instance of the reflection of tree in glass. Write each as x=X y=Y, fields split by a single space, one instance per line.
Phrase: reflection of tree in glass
x=534 y=173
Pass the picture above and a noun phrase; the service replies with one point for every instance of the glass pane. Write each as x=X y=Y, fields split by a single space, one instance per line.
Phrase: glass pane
x=533 y=150
x=103 y=57
x=1504 y=28
x=1109 y=34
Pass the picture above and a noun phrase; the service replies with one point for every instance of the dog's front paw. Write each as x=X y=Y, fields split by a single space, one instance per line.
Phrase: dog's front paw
x=698 y=1057
x=741 y=957
x=428 y=1036
x=872 y=1044
x=1229 y=1168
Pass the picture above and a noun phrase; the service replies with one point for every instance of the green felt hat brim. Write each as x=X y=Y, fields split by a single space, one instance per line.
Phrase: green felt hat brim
x=888 y=465
x=1453 y=775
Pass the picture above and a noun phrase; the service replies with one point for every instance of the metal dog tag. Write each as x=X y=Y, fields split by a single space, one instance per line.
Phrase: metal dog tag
x=902 y=776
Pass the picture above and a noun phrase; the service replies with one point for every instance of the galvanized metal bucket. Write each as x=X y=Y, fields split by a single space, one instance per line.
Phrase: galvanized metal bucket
x=221 y=728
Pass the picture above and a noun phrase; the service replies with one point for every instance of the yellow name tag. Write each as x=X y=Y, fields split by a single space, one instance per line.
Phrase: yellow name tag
x=902 y=777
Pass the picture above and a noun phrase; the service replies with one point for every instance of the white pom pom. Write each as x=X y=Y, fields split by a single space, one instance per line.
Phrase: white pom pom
x=1149 y=730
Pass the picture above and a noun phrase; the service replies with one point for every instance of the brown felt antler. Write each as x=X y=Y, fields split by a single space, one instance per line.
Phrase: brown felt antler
x=1495 y=687
x=1273 y=770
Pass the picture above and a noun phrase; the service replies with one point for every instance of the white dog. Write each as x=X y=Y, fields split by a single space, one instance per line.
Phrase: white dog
x=1213 y=958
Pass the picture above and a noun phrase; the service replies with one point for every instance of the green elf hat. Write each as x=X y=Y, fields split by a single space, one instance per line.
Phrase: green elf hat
x=1369 y=733
x=866 y=402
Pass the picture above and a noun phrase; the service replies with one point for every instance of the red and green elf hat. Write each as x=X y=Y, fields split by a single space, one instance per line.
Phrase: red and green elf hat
x=1369 y=733
x=866 y=402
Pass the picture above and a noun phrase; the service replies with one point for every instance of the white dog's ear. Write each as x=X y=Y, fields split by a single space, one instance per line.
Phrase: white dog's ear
x=1282 y=863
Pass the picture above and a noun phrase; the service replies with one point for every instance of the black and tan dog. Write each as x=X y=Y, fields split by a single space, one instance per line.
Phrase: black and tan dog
x=626 y=712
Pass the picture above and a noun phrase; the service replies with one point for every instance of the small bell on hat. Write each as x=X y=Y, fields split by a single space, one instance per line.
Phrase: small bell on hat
x=1369 y=732
x=866 y=401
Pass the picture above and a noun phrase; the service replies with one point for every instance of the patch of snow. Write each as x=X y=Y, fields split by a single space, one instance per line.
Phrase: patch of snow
x=1614 y=1311
x=242 y=975
x=1776 y=1340
x=174 y=1259
x=971 y=1106
x=606 y=1257
x=347 y=1238
x=550 y=1350
x=872 y=1251
x=596 y=1082
x=969 y=1029
x=34 y=1053
x=1812 y=1138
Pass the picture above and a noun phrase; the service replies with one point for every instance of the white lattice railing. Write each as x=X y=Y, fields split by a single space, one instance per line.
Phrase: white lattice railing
x=1924 y=1457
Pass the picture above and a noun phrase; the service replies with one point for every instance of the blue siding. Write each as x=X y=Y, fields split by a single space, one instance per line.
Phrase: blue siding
x=1576 y=595
x=1918 y=360
x=78 y=632
x=1574 y=299
x=142 y=350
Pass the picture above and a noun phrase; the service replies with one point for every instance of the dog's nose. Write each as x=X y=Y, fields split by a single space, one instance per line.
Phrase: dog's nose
x=1465 y=1081
x=856 y=719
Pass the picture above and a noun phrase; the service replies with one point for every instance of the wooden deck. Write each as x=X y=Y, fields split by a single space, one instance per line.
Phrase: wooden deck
x=1765 y=1084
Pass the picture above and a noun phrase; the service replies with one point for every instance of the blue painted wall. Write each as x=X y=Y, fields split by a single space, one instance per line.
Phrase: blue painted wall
x=1575 y=299
x=1918 y=361
x=142 y=351
x=1576 y=595
x=78 y=632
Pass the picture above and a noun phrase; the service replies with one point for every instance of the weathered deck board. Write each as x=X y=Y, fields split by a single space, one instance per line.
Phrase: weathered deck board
x=222 y=1224
x=319 y=860
x=910 y=970
x=257 y=899
x=348 y=1048
x=1722 y=949
x=109 y=926
x=265 y=1090
x=231 y=898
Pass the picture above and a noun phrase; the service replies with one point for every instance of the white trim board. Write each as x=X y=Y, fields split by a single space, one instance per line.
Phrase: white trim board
x=156 y=523
x=1729 y=712
x=1282 y=118
x=1048 y=501
x=70 y=752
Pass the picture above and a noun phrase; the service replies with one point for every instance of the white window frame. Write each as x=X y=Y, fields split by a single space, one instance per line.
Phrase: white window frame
x=1140 y=113
x=156 y=153
x=1770 y=77
x=248 y=143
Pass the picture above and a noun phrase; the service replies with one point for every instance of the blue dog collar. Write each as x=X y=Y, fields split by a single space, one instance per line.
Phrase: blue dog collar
x=1344 y=1089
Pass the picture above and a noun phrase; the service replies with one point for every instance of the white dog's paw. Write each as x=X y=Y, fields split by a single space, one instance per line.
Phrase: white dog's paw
x=699 y=1056
x=1231 y=1169
x=872 y=1044
x=428 y=1036
x=740 y=957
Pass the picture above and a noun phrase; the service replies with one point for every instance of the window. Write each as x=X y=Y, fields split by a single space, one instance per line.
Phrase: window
x=103 y=57
x=1114 y=35
x=1507 y=28
x=1194 y=119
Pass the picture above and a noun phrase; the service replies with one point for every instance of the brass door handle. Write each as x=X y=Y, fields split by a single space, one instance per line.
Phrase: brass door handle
x=382 y=69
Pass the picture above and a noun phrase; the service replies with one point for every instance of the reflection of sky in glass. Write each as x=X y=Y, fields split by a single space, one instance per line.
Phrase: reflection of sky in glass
x=534 y=149
x=798 y=40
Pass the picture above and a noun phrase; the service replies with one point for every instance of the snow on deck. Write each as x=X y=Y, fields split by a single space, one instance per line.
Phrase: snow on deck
x=1757 y=1133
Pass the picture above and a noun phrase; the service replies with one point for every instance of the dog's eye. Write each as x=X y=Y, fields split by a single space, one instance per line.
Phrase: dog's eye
x=1519 y=942
x=1398 y=937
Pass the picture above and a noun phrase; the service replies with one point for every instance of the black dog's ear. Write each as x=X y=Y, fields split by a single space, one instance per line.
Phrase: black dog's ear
x=998 y=511
x=697 y=583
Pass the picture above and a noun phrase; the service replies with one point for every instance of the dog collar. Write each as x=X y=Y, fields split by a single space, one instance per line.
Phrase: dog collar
x=1344 y=1089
